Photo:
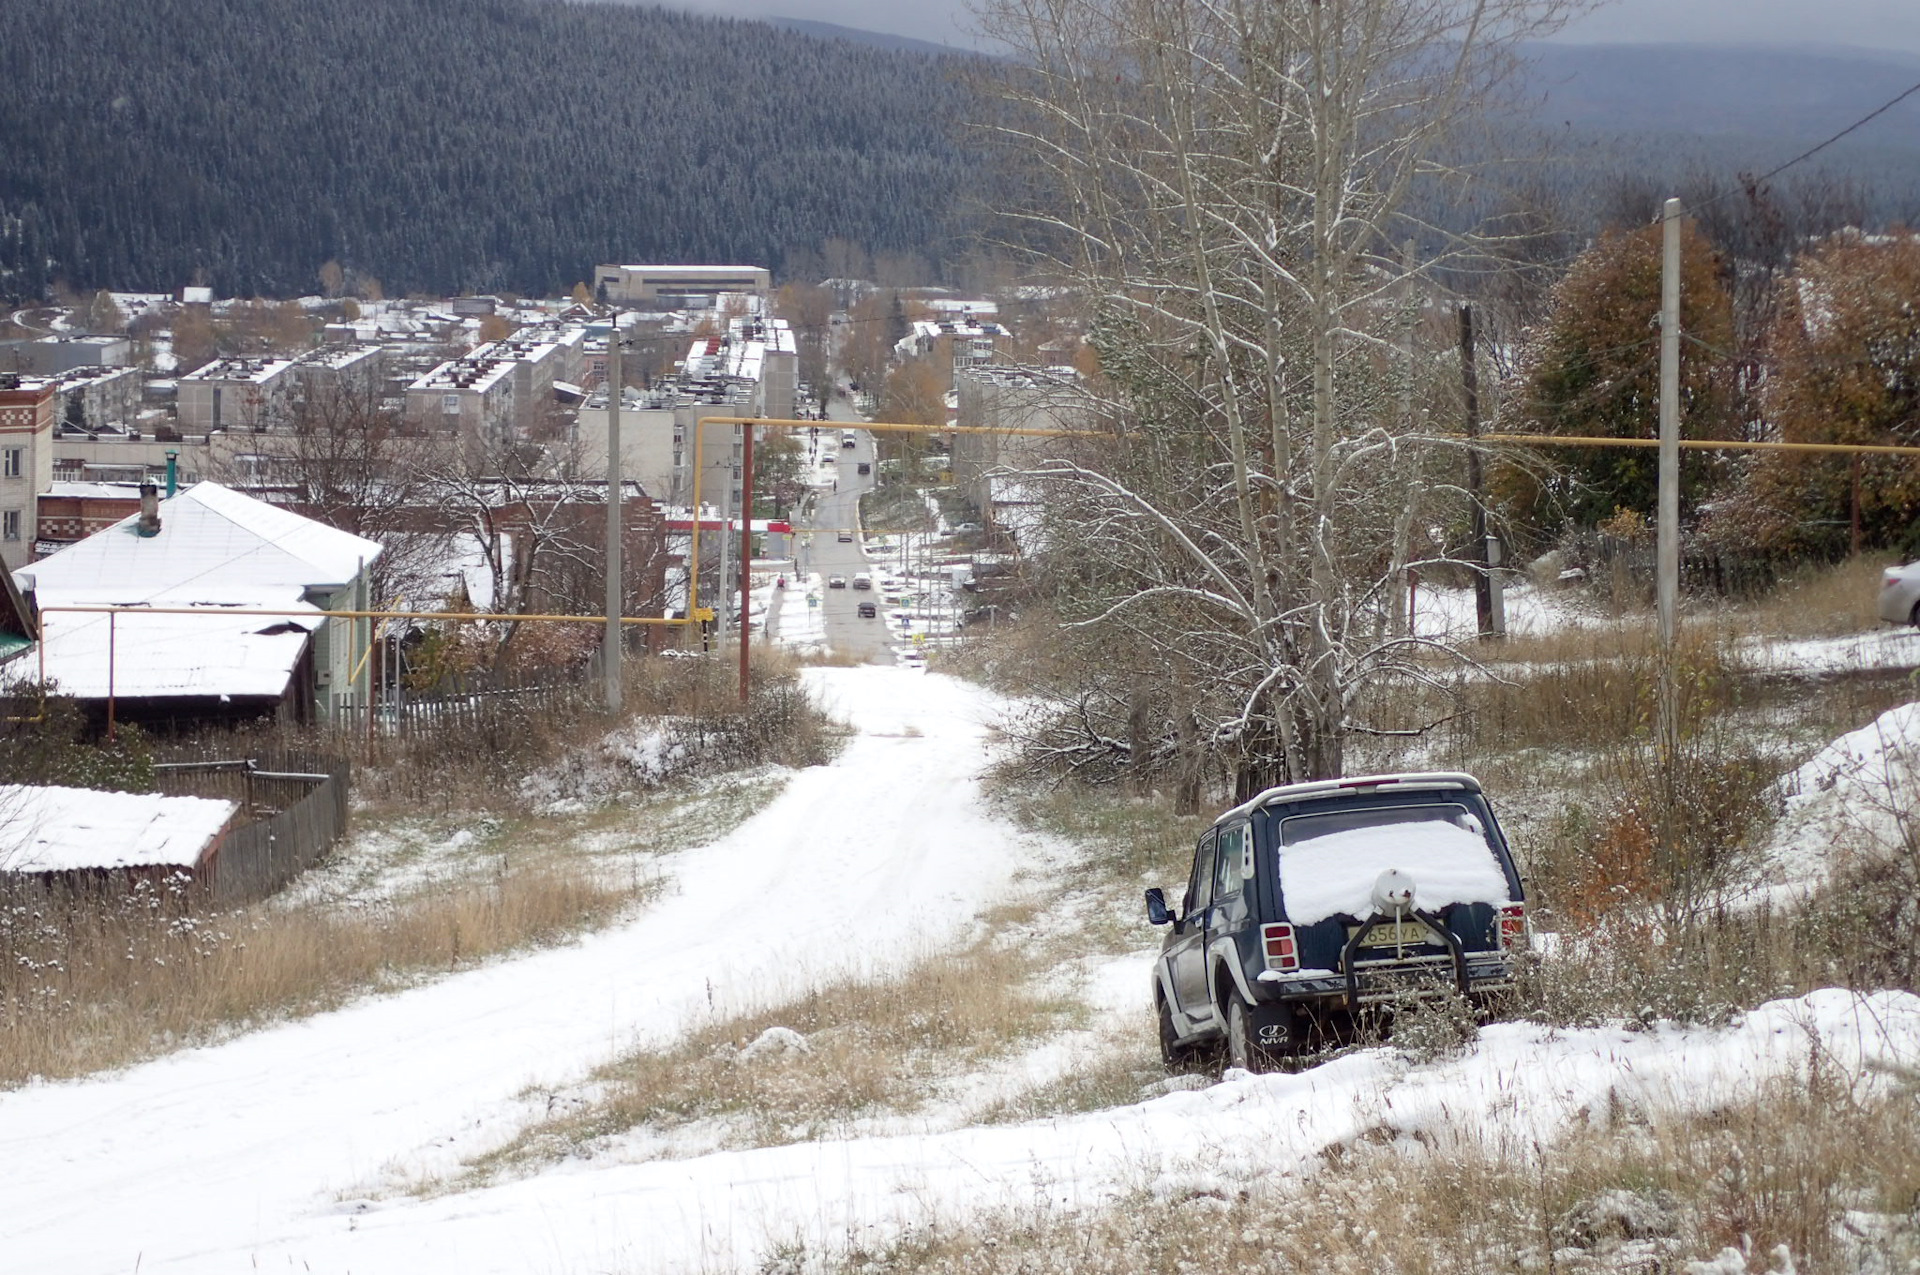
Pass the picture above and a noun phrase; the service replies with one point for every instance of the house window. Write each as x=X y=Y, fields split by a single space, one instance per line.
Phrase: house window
x=15 y=461
x=10 y=524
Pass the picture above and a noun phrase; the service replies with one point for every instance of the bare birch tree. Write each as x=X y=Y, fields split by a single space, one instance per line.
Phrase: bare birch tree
x=1229 y=183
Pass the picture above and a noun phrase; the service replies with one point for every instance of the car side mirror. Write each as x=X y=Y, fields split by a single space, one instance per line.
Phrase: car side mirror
x=1157 y=907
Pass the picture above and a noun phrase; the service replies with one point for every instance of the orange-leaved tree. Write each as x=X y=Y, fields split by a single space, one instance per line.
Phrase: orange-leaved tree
x=1595 y=371
x=1845 y=369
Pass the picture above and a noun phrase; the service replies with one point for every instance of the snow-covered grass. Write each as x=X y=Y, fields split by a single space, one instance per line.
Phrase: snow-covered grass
x=101 y=981
x=1621 y=1141
x=857 y=1058
x=1776 y=1163
x=104 y=980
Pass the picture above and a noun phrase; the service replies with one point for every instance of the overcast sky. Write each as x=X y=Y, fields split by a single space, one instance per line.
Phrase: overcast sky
x=1870 y=24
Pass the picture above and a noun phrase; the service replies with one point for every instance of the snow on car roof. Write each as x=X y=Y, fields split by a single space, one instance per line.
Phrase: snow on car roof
x=1333 y=874
x=56 y=829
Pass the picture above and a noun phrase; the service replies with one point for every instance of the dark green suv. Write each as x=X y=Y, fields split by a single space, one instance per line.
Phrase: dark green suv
x=1316 y=905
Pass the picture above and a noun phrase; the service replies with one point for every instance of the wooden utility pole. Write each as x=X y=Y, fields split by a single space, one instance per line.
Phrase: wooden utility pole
x=1476 y=483
x=1667 y=542
x=610 y=646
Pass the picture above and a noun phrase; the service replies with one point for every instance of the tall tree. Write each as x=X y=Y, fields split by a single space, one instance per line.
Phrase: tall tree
x=1846 y=369
x=1229 y=182
x=1594 y=370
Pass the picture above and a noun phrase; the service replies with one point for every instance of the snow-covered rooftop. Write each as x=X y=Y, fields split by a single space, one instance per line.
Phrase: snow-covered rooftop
x=73 y=829
x=250 y=371
x=214 y=544
x=471 y=373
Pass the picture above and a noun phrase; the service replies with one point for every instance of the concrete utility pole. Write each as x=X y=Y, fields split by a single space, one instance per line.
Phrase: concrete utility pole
x=1667 y=542
x=610 y=646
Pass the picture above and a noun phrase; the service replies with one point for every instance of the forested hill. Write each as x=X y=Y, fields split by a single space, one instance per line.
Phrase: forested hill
x=446 y=145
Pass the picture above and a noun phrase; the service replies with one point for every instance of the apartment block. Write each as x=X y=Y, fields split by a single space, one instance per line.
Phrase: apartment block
x=237 y=394
x=26 y=462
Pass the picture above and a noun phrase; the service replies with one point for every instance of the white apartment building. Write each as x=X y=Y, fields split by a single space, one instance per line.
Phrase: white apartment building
x=678 y=287
x=237 y=394
x=473 y=397
x=1010 y=396
x=341 y=373
x=97 y=396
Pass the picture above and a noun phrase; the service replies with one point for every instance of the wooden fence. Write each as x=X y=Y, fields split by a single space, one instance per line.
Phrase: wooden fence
x=294 y=805
x=479 y=704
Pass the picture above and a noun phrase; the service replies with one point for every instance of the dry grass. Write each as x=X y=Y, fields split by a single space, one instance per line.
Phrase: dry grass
x=1828 y=1174
x=98 y=979
x=842 y=1053
x=1818 y=601
x=93 y=982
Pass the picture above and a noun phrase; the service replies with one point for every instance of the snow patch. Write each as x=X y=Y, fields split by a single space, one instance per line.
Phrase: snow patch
x=1857 y=795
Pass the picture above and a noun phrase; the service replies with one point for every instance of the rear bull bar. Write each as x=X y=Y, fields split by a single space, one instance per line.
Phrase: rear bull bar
x=1350 y=964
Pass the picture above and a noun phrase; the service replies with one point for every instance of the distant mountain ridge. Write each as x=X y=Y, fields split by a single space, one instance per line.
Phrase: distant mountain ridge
x=856 y=35
x=1757 y=91
x=450 y=145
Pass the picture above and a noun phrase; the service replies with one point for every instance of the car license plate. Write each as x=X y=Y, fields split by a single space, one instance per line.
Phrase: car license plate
x=1397 y=934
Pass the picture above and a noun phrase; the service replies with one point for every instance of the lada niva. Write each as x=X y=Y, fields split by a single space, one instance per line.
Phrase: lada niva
x=1314 y=906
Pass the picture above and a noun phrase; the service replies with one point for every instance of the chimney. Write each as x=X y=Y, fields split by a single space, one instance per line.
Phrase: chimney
x=149 y=524
x=173 y=473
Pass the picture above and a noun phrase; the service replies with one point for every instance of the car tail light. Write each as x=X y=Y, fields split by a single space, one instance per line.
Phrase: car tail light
x=1282 y=952
x=1513 y=926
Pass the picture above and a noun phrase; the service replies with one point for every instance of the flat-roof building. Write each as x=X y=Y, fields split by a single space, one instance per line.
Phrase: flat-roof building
x=236 y=394
x=677 y=286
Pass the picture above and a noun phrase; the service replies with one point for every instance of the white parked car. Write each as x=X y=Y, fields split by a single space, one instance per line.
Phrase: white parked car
x=1900 y=594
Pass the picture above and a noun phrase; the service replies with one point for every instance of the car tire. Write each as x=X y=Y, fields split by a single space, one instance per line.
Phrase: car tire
x=1913 y=616
x=1176 y=1056
x=1243 y=1051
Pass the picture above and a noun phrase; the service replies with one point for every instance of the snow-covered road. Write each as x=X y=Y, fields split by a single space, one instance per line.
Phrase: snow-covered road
x=206 y=1159
x=282 y=1151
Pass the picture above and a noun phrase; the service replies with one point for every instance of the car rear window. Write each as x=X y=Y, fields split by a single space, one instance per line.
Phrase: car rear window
x=1329 y=861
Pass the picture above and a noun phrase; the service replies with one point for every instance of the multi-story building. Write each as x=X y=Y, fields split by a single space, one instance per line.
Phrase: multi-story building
x=96 y=397
x=969 y=342
x=677 y=287
x=237 y=394
x=1010 y=396
x=341 y=374
x=26 y=462
x=473 y=397
x=52 y=355
x=751 y=371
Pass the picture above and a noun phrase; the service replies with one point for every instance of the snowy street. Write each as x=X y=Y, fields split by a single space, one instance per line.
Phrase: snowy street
x=208 y=1159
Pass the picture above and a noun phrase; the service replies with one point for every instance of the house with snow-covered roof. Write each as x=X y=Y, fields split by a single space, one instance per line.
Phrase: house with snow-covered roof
x=174 y=630
x=79 y=834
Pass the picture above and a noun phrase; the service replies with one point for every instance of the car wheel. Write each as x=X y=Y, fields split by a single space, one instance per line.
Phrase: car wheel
x=1243 y=1051
x=1913 y=617
x=1176 y=1056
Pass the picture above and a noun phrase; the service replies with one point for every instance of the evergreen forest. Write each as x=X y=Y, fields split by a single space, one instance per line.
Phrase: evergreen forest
x=444 y=146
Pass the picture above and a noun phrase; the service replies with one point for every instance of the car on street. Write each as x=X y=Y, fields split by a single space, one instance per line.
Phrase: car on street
x=1900 y=594
x=866 y=610
x=845 y=537
x=836 y=582
x=865 y=467
x=862 y=580
x=848 y=440
x=1315 y=909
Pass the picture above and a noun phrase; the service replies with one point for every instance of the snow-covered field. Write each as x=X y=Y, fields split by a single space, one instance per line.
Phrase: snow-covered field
x=295 y=1148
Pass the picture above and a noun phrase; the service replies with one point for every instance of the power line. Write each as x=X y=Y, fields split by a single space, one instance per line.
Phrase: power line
x=1868 y=118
